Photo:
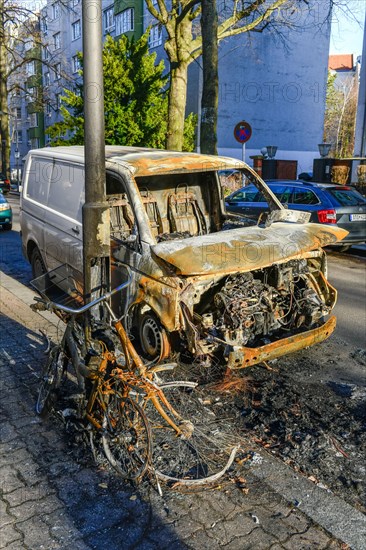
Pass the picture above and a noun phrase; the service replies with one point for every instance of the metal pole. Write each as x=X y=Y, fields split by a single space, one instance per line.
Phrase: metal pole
x=16 y=154
x=96 y=230
x=243 y=153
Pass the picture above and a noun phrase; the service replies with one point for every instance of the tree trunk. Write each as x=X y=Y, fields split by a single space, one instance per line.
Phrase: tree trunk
x=4 y=117
x=210 y=89
x=177 y=104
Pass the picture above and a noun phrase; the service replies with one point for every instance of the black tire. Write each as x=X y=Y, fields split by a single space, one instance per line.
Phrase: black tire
x=7 y=226
x=51 y=378
x=38 y=267
x=126 y=438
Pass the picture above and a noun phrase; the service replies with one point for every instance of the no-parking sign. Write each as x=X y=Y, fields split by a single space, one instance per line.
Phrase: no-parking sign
x=243 y=132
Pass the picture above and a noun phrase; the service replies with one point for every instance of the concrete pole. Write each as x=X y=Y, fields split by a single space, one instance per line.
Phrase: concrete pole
x=96 y=230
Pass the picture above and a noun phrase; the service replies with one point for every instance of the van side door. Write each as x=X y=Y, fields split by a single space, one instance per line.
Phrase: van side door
x=126 y=245
x=63 y=227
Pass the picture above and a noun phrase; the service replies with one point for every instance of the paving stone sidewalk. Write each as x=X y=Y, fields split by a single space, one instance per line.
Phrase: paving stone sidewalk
x=53 y=498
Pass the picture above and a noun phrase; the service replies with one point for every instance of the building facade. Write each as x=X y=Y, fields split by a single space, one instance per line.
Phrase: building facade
x=25 y=100
x=275 y=80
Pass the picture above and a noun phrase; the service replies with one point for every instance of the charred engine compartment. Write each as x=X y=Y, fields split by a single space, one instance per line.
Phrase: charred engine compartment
x=249 y=308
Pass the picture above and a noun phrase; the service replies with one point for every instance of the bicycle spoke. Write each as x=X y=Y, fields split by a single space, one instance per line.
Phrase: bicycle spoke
x=203 y=451
x=50 y=379
x=126 y=437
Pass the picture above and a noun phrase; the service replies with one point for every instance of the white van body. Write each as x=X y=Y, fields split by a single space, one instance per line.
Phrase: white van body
x=53 y=193
x=187 y=255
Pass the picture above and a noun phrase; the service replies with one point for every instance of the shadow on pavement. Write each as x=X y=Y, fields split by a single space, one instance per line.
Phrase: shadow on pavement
x=79 y=504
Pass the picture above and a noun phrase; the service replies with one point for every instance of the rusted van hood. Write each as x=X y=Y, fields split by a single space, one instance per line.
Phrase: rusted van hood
x=245 y=249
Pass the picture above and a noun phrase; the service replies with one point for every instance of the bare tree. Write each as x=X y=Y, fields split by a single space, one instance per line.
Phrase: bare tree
x=184 y=43
x=340 y=114
x=210 y=93
x=21 y=43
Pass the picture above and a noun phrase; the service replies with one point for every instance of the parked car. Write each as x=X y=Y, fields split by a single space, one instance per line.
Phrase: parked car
x=201 y=278
x=6 y=214
x=329 y=204
x=4 y=183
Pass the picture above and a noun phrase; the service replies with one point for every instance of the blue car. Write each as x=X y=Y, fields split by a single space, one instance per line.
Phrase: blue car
x=6 y=214
x=327 y=203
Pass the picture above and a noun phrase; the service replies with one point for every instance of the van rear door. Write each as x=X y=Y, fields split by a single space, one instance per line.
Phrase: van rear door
x=33 y=203
x=63 y=227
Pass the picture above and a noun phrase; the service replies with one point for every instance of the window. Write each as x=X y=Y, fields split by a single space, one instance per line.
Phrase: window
x=57 y=40
x=29 y=44
x=156 y=36
x=124 y=21
x=18 y=113
x=39 y=174
x=44 y=25
x=64 y=195
x=56 y=10
x=249 y=194
x=45 y=53
x=30 y=68
x=31 y=94
x=58 y=101
x=108 y=20
x=47 y=79
x=33 y=120
x=348 y=197
x=48 y=109
x=18 y=136
x=283 y=193
x=57 y=71
x=304 y=196
x=76 y=66
x=76 y=29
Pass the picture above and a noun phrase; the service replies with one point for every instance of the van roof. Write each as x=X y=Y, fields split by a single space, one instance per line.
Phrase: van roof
x=146 y=162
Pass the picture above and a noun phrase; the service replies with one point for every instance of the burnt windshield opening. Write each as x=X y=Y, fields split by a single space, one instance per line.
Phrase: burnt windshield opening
x=184 y=205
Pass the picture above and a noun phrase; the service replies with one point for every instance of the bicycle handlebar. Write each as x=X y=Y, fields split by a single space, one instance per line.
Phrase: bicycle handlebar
x=53 y=305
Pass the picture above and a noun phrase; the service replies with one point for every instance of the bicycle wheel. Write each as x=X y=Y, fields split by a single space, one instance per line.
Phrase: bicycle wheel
x=204 y=451
x=126 y=437
x=50 y=379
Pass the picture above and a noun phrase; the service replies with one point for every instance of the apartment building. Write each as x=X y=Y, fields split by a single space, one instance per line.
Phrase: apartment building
x=58 y=67
x=275 y=80
x=25 y=100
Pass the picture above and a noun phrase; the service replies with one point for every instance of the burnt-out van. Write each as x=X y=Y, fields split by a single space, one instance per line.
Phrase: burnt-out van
x=215 y=282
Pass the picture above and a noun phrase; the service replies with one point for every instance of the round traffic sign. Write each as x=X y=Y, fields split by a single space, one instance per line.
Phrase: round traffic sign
x=243 y=132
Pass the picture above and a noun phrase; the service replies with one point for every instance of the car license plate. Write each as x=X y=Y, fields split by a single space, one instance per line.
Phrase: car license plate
x=357 y=217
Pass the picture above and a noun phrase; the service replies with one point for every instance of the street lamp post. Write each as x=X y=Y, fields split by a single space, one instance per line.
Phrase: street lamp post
x=17 y=156
x=96 y=238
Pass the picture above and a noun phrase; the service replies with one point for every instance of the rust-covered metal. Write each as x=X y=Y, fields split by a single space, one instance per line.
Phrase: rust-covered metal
x=203 y=279
x=245 y=249
x=247 y=357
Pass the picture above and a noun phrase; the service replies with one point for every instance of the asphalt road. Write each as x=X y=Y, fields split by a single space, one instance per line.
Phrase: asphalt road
x=54 y=496
x=347 y=273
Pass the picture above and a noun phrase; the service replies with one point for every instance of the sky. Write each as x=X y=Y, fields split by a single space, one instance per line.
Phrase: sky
x=347 y=32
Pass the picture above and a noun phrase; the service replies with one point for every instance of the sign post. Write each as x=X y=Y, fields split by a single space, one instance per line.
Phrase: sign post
x=242 y=134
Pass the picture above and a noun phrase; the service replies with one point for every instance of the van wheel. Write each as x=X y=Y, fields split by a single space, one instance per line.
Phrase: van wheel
x=8 y=226
x=38 y=267
x=153 y=338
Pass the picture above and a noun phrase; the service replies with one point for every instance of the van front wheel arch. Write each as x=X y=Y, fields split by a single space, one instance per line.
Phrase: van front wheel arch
x=37 y=263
